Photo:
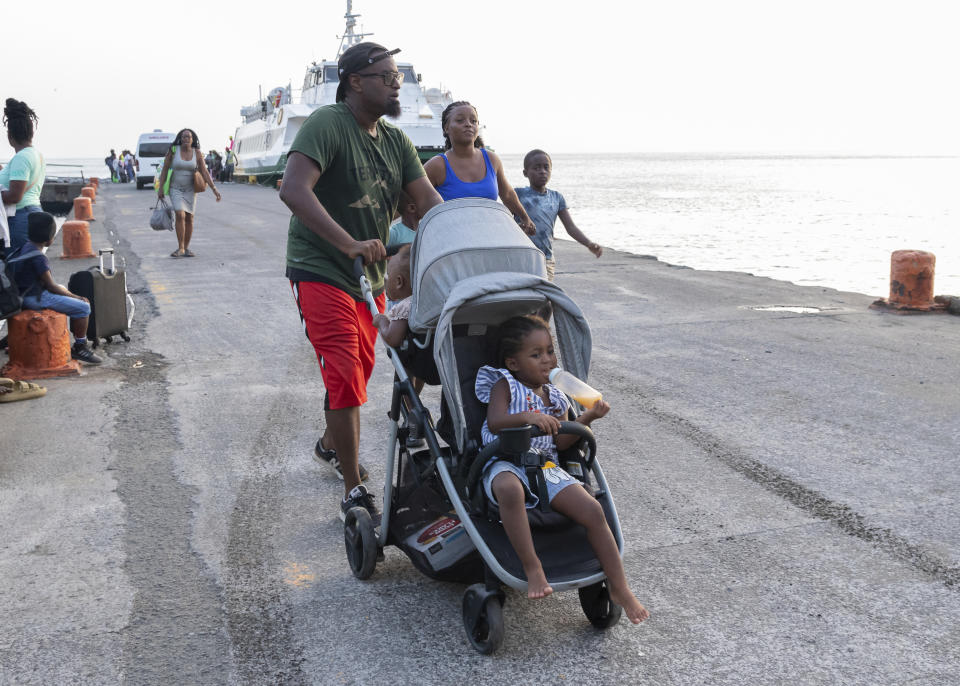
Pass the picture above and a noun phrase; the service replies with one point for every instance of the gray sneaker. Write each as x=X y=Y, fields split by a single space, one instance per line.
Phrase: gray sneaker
x=84 y=354
x=325 y=456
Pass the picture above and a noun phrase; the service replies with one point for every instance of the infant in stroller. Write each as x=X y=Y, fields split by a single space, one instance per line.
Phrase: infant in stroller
x=517 y=394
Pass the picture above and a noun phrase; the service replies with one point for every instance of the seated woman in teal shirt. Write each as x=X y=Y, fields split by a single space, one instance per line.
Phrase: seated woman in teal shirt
x=22 y=179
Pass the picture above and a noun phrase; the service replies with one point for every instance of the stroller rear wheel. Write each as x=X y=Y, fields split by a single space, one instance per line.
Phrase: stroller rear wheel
x=602 y=612
x=483 y=618
x=360 y=539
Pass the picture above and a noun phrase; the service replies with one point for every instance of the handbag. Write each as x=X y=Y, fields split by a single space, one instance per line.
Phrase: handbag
x=199 y=185
x=162 y=218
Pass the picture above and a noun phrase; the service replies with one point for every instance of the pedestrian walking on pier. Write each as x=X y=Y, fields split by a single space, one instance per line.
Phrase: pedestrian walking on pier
x=344 y=173
x=111 y=162
x=229 y=162
x=183 y=160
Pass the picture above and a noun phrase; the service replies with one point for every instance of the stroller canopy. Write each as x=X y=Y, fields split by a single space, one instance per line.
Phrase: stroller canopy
x=461 y=239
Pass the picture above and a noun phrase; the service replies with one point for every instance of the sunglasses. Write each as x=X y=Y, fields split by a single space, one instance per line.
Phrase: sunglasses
x=388 y=77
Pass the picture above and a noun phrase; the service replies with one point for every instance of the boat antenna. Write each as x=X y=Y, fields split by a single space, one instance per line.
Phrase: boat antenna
x=349 y=38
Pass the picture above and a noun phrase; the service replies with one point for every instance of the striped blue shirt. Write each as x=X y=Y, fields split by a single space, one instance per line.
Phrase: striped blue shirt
x=522 y=399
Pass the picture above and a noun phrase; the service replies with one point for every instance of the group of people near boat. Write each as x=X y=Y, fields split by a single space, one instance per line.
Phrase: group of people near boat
x=123 y=168
x=347 y=172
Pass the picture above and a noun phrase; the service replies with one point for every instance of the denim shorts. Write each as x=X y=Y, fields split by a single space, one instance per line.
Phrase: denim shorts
x=18 y=225
x=73 y=308
x=555 y=477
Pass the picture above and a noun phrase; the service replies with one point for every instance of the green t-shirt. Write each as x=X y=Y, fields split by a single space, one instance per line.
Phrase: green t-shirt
x=27 y=165
x=361 y=177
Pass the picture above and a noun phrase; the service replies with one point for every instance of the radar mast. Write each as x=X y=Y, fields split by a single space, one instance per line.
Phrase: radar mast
x=349 y=38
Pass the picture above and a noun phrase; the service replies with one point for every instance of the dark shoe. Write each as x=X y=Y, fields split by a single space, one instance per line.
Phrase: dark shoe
x=324 y=456
x=359 y=497
x=84 y=354
x=414 y=440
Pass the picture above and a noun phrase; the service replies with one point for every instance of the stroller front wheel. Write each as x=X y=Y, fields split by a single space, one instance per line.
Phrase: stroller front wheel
x=602 y=612
x=483 y=618
x=360 y=540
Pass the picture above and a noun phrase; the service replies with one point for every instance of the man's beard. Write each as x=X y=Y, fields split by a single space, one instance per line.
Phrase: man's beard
x=393 y=109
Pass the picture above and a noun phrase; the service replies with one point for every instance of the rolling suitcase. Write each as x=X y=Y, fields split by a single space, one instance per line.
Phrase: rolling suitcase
x=106 y=289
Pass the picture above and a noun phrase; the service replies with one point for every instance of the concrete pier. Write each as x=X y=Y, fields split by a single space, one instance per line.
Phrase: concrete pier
x=783 y=458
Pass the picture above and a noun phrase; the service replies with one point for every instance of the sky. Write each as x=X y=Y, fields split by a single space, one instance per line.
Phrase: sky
x=769 y=77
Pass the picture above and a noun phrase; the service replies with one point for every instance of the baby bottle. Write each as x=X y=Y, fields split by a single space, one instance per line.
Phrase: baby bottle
x=574 y=387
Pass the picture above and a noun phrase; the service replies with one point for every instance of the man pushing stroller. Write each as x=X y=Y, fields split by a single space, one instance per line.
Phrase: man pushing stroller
x=342 y=206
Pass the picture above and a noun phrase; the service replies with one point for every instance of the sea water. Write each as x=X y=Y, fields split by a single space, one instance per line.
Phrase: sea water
x=815 y=221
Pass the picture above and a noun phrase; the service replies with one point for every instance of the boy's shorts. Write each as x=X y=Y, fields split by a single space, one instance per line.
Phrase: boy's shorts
x=343 y=335
x=73 y=308
x=555 y=477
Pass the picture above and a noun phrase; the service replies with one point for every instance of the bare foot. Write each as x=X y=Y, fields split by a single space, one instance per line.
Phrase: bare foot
x=636 y=612
x=537 y=586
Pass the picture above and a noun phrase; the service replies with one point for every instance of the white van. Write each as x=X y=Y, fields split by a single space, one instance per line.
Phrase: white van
x=151 y=149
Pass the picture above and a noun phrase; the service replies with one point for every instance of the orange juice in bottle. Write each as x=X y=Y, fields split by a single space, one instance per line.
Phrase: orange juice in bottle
x=579 y=390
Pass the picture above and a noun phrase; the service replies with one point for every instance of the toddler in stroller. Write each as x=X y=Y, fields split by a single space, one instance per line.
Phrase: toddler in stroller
x=517 y=394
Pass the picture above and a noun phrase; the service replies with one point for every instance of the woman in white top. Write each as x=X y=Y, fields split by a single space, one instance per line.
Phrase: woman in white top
x=184 y=159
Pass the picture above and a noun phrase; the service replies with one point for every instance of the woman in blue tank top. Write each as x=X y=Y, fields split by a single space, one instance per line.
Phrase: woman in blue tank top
x=467 y=169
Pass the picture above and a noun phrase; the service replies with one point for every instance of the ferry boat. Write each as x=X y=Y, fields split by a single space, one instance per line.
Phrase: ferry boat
x=263 y=139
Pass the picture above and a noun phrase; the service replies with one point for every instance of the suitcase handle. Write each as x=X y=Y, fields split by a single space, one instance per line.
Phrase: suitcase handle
x=113 y=264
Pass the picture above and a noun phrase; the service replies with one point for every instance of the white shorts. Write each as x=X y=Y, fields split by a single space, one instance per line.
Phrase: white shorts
x=555 y=477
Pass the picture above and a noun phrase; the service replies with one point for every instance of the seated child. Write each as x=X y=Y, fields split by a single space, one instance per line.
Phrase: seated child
x=394 y=327
x=405 y=228
x=545 y=205
x=520 y=393
x=40 y=292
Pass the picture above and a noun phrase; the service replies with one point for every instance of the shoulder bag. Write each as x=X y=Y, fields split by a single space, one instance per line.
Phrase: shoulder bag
x=199 y=185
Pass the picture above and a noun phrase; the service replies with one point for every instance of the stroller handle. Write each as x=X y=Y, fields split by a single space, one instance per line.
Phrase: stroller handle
x=361 y=277
x=358 y=260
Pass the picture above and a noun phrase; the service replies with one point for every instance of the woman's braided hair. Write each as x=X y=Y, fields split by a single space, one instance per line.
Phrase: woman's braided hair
x=19 y=120
x=514 y=332
x=443 y=123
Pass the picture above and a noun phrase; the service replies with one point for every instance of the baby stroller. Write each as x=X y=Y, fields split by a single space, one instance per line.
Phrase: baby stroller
x=472 y=268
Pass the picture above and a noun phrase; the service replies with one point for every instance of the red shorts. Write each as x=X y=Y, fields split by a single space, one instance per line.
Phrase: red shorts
x=342 y=332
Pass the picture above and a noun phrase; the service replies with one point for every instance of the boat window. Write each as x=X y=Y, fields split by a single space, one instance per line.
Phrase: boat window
x=330 y=74
x=408 y=74
x=153 y=149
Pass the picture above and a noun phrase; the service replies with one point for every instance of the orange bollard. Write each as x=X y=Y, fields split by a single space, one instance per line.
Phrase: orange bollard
x=911 y=278
x=39 y=346
x=82 y=209
x=76 y=240
x=95 y=181
x=911 y=283
x=89 y=192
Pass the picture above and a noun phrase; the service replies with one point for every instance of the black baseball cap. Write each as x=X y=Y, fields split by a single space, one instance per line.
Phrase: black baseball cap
x=356 y=58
